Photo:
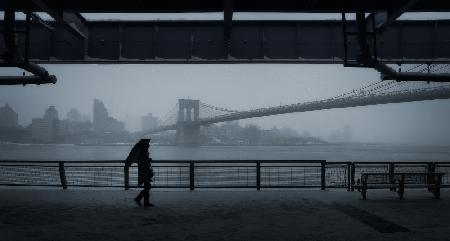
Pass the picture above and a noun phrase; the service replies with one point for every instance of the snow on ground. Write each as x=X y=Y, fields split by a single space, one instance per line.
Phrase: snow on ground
x=53 y=214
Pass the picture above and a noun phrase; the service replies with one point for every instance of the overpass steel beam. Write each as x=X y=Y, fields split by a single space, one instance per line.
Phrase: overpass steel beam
x=74 y=22
x=167 y=42
x=37 y=19
x=171 y=6
x=369 y=59
x=26 y=80
x=387 y=73
x=385 y=18
x=13 y=57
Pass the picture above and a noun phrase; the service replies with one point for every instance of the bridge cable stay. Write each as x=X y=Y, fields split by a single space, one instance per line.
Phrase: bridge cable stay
x=210 y=111
x=171 y=117
x=363 y=88
x=382 y=86
x=218 y=108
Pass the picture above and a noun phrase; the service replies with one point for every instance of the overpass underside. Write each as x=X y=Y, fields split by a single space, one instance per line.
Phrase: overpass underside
x=371 y=39
x=302 y=41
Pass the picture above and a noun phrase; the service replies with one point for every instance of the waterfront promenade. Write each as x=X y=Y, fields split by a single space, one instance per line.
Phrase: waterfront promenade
x=80 y=214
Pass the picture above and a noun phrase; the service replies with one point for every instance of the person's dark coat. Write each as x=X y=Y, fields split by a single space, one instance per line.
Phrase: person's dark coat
x=139 y=154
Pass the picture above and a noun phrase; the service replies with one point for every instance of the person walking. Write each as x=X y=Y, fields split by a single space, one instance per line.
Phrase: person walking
x=140 y=154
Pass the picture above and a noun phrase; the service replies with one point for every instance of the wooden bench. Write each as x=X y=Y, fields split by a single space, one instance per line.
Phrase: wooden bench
x=398 y=181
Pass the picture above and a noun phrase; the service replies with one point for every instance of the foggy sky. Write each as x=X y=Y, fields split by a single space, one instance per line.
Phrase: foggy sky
x=131 y=91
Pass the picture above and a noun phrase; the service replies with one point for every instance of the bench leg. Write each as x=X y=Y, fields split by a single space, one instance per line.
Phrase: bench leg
x=364 y=194
x=437 y=192
x=358 y=185
x=364 y=190
x=437 y=189
x=401 y=188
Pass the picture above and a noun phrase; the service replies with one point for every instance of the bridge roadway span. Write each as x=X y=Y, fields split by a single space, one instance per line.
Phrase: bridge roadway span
x=393 y=97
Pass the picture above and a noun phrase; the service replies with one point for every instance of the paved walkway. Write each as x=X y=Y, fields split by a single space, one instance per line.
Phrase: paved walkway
x=43 y=214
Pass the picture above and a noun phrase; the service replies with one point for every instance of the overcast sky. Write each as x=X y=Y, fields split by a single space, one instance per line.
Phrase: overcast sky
x=131 y=91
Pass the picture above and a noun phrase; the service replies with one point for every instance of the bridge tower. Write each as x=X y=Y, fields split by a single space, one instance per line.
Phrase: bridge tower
x=188 y=135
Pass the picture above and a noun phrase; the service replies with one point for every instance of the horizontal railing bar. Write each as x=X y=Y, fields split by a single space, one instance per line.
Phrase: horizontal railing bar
x=69 y=166
x=402 y=173
x=227 y=161
x=255 y=161
x=30 y=185
x=222 y=166
x=262 y=166
x=224 y=186
x=399 y=162
x=25 y=165
x=284 y=186
x=161 y=186
x=164 y=161
x=58 y=161
x=338 y=186
x=81 y=185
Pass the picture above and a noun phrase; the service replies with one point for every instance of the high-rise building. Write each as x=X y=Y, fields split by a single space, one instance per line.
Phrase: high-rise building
x=47 y=128
x=8 y=117
x=73 y=115
x=230 y=132
x=42 y=130
x=85 y=118
x=51 y=113
x=100 y=114
x=149 y=122
x=103 y=122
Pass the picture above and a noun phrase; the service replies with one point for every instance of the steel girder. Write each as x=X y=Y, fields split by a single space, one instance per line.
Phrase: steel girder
x=251 y=42
x=218 y=5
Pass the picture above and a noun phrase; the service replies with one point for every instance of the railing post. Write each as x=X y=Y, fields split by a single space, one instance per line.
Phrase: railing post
x=62 y=175
x=352 y=176
x=322 y=174
x=126 y=176
x=191 y=175
x=391 y=172
x=258 y=175
x=349 y=176
x=431 y=169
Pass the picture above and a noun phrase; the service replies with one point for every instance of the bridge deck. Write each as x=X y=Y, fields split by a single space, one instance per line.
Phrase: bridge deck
x=353 y=101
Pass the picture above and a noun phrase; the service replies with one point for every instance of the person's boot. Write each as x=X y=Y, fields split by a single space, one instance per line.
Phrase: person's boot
x=138 y=201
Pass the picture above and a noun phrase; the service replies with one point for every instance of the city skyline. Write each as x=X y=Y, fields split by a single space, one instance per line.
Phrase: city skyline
x=50 y=128
x=149 y=121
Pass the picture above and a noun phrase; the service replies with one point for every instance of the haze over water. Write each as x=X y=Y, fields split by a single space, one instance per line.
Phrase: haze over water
x=329 y=152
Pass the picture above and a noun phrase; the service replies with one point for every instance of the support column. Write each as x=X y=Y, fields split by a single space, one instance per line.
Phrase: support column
x=188 y=134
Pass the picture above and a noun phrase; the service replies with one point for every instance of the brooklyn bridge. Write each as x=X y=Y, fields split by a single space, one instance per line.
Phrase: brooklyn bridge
x=188 y=115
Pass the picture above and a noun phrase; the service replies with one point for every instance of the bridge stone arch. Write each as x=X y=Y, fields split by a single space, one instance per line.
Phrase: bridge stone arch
x=188 y=111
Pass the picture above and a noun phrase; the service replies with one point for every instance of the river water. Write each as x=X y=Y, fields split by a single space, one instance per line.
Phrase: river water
x=329 y=152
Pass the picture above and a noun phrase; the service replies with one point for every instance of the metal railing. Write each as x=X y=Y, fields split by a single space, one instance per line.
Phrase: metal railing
x=206 y=174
